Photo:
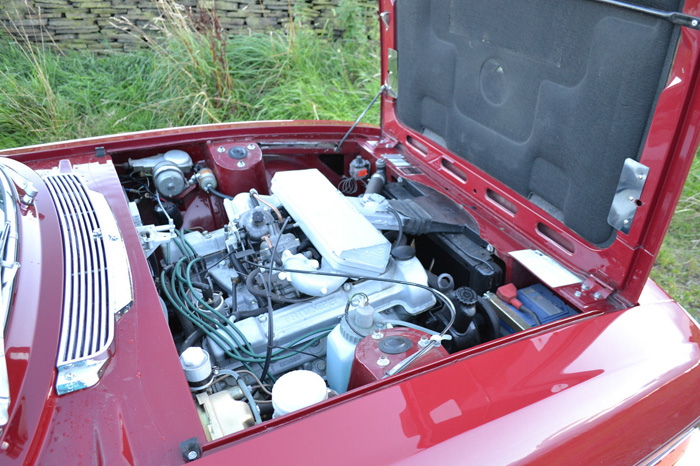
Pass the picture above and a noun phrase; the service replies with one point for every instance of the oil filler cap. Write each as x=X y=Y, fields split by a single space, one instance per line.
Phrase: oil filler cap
x=238 y=152
x=394 y=344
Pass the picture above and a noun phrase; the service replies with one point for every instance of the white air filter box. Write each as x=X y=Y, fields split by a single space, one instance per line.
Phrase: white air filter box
x=344 y=237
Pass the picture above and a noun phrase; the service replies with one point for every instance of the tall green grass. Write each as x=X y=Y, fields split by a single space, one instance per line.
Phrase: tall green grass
x=191 y=75
x=678 y=263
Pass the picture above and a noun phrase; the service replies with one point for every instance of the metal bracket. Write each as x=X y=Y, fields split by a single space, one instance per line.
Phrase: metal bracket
x=152 y=236
x=626 y=200
x=191 y=449
x=386 y=19
x=593 y=289
x=679 y=19
x=392 y=79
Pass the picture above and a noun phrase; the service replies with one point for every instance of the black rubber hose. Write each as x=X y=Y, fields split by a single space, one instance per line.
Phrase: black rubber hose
x=305 y=243
x=218 y=194
x=375 y=185
x=255 y=291
x=193 y=337
x=396 y=215
x=234 y=298
x=493 y=317
x=207 y=292
x=266 y=409
x=244 y=314
x=377 y=180
x=237 y=266
x=270 y=313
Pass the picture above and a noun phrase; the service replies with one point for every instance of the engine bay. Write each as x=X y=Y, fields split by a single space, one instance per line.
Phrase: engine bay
x=289 y=279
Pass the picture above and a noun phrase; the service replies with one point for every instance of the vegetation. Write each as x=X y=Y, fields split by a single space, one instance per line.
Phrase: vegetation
x=196 y=76
x=193 y=76
x=678 y=264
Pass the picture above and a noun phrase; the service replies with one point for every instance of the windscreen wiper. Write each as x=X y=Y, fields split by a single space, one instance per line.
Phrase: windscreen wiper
x=680 y=19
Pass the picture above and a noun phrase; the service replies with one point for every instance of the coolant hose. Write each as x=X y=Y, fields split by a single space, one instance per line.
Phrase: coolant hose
x=198 y=334
x=492 y=317
x=375 y=185
x=377 y=180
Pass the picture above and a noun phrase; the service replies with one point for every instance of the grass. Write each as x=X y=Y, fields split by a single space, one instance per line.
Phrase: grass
x=193 y=76
x=677 y=267
x=196 y=76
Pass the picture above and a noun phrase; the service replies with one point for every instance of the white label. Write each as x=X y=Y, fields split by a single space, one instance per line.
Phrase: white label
x=545 y=268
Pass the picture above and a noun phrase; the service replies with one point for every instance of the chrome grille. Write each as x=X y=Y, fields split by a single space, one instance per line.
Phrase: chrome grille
x=97 y=282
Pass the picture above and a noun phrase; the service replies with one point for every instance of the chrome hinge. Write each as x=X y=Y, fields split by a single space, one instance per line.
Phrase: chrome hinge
x=626 y=200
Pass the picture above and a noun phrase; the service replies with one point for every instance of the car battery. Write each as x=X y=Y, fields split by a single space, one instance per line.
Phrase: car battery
x=545 y=304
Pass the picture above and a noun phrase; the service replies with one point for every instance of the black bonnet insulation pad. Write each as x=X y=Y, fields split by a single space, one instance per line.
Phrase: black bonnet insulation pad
x=548 y=96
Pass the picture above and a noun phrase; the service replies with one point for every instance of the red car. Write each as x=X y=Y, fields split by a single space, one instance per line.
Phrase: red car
x=466 y=284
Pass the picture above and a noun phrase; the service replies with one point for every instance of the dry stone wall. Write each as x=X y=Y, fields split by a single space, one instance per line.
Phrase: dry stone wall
x=89 y=24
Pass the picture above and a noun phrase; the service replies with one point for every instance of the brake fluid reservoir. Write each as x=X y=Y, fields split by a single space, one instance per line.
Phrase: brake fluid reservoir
x=376 y=354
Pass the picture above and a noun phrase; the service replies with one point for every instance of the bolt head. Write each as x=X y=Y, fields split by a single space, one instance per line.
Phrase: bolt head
x=577 y=294
x=251 y=146
x=241 y=164
x=383 y=361
x=585 y=287
x=192 y=455
x=694 y=22
x=596 y=295
x=262 y=317
x=220 y=150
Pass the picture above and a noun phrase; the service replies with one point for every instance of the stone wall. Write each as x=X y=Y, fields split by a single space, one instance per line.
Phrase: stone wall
x=89 y=24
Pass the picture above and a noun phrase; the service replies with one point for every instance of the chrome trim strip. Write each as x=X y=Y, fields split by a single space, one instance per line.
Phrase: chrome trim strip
x=97 y=281
x=9 y=243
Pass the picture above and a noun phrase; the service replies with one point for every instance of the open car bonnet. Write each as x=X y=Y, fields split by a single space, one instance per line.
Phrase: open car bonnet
x=568 y=120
